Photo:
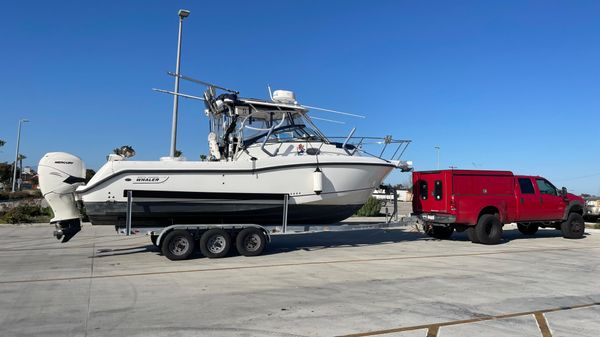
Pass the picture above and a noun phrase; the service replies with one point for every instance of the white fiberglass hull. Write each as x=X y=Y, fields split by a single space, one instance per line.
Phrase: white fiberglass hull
x=166 y=193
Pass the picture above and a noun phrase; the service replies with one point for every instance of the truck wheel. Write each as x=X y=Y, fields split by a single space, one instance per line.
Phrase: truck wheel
x=472 y=234
x=439 y=232
x=489 y=229
x=178 y=245
x=250 y=242
x=574 y=227
x=527 y=229
x=215 y=243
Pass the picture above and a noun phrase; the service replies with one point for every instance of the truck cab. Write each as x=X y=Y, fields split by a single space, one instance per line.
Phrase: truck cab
x=449 y=200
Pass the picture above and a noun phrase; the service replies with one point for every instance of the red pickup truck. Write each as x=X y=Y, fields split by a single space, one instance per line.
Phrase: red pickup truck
x=480 y=202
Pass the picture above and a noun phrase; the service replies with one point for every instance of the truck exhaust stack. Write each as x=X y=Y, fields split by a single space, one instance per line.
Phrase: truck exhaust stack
x=60 y=174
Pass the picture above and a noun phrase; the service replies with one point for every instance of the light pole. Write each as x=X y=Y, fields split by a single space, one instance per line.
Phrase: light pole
x=14 y=182
x=183 y=13
x=437 y=149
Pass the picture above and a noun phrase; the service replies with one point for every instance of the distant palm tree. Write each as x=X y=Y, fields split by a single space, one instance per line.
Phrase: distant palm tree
x=20 y=158
x=2 y=142
x=178 y=153
x=126 y=151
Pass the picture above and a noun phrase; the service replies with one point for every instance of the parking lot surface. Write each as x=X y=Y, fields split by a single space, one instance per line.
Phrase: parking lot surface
x=392 y=282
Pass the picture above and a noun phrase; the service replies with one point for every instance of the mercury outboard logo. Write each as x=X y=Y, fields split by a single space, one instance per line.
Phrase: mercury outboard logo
x=63 y=162
x=150 y=179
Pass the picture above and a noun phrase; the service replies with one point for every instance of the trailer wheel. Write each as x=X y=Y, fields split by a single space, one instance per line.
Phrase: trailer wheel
x=438 y=232
x=489 y=229
x=472 y=234
x=250 y=242
x=574 y=227
x=153 y=239
x=178 y=245
x=215 y=243
x=527 y=229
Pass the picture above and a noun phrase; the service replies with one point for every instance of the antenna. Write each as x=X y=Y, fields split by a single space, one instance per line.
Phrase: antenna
x=327 y=120
x=178 y=94
x=333 y=111
x=202 y=82
x=270 y=93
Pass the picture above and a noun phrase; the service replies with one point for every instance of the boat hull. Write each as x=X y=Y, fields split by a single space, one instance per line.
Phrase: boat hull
x=198 y=194
x=161 y=213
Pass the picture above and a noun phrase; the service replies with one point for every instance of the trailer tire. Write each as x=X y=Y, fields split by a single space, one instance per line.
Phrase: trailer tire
x=472 y=234
x=489 y=229
x=178 y=245
x=250 y=241
x=527 y=229
x=438 y=232
x=574 y=227
x=215 y=243
x=153 y=239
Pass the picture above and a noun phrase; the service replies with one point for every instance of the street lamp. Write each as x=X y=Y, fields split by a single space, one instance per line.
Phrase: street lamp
x=437 y=148
x=14 y=182
x=183 y=13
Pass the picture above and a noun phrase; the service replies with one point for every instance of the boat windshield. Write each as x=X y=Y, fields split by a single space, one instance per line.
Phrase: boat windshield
x=285 y=129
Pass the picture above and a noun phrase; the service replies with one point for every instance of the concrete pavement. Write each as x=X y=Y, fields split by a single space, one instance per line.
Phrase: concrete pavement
x=393 y=282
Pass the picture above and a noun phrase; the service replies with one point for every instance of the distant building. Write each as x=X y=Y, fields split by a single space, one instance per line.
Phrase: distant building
x=29 y=179
x=403 y=195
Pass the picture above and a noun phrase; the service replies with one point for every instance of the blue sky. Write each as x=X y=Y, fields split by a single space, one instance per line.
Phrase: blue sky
x=496 y=84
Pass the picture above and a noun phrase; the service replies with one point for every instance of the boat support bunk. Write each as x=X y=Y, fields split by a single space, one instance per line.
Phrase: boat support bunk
x=178 y=242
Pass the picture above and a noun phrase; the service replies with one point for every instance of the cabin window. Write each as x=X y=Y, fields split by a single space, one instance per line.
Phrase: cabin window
x=526 y=186
x=423 y=189
x=437 y=190
x=545 y=187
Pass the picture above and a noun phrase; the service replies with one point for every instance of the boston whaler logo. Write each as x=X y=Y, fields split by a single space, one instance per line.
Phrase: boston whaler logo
x=150 y=179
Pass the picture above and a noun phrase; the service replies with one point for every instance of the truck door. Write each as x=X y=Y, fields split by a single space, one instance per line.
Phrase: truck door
x=552 y=206
x=528 y=202
x=432 y=194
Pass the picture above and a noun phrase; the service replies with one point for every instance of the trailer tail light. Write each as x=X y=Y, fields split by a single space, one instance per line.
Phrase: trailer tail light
x=452 y=203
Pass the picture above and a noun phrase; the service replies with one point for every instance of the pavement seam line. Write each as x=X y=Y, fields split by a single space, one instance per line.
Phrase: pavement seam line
x=397 y=258
x=87 y=318
x=433 y=331
x=542 y=324
x=476 y=320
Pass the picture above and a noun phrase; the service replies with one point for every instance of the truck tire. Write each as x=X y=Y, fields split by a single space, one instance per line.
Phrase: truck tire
x=527 y=229
x=489 y=229
x=574 y=227
x=472 y=234
x=215 y=243
x=250 y=242
x=438 y=232
x=178 y=245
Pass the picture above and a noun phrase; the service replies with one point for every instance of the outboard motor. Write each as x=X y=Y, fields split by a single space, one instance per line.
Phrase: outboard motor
x=60 y=174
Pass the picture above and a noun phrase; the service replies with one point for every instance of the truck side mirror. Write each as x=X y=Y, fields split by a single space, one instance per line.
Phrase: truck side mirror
x=563 y=192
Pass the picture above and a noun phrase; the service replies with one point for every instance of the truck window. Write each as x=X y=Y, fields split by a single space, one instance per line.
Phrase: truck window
x=423 y=189
x=545 y=187
x=437 y=190
x=526 y=186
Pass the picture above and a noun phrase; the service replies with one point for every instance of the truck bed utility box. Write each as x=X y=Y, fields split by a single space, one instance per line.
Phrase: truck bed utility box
x=482 y=201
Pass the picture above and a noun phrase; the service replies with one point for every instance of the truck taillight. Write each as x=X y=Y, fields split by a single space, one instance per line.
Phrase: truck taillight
x=452 y=203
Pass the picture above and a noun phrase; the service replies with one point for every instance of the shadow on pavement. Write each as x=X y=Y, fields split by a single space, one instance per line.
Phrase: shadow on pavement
x=335 y=239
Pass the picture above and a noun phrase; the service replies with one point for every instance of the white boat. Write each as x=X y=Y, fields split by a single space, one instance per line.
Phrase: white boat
x=261 y=152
